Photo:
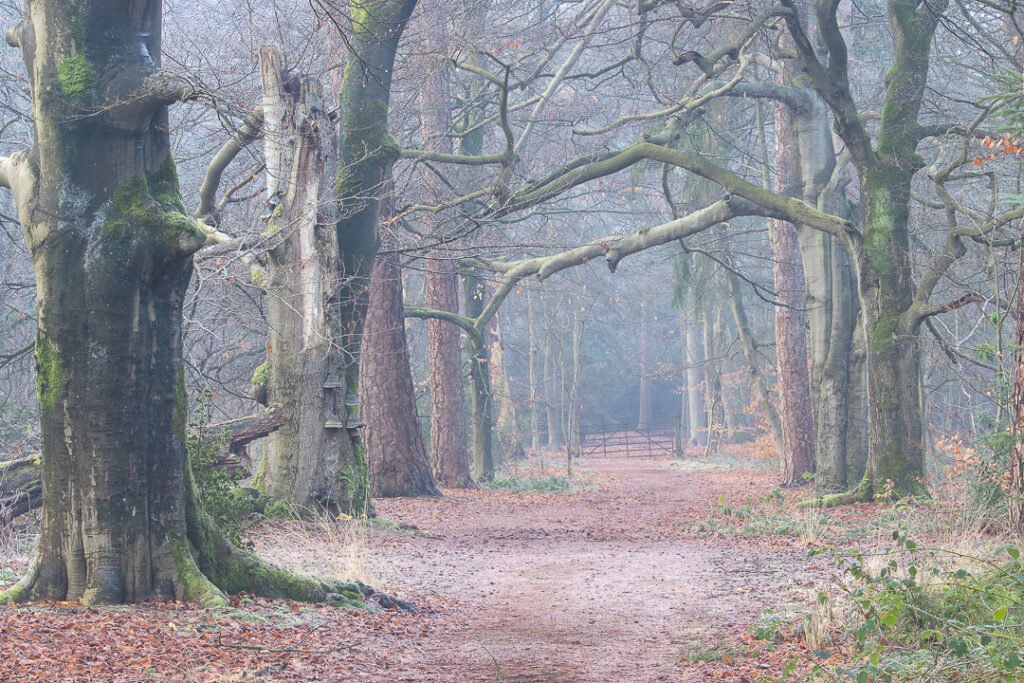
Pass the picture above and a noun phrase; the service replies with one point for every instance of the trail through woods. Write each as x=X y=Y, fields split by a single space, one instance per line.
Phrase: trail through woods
x=609 y=584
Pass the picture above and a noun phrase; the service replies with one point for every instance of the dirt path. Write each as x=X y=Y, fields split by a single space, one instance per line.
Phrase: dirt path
x=607 y=585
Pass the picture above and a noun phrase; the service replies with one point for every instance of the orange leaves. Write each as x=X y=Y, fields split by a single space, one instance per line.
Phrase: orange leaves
x=1007 y=145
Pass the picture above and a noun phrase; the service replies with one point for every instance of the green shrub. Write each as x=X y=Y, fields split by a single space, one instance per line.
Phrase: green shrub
x=930 y=614
x=227 y=503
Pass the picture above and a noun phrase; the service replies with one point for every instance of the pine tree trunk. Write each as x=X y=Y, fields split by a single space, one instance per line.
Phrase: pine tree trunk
x=394 y=443
x=449 y=457
x=795 y=410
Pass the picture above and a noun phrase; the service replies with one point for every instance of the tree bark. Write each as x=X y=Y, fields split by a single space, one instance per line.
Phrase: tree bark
x=749 y=346
x=795 y=409
x=506 y=420
x=697 y=422
x=311 y=462
x=1016 y=497
x=478 y=351
x=99 y=204
x=367 y=152
x=552 y=385
x=394 y=442
x=536 y=363
x=644 y=403
x=21 y=482
x=449 y=457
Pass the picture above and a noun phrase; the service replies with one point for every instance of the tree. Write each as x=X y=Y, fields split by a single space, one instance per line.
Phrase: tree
x=98 y=200
x=394 y=443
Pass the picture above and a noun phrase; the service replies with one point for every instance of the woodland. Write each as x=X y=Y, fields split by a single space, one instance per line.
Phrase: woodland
x=548 y=340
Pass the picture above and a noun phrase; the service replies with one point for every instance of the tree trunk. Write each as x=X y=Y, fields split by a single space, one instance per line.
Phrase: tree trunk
x=1016 y=497
x=749 y=346
x=21 y=483
x=367 y=152
x=552 y=385
x=394 y=442
x=695 y=384
x=111 y=245
x=507 y=421
x=714 y=408
x=449 y=457
x=795 y=410
x=644 y=402
x=478 y=351
x=311 y=462
x=536 y=363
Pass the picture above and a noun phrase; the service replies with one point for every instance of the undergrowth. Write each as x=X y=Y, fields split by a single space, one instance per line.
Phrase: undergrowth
x=228 y=504
x=918 y=613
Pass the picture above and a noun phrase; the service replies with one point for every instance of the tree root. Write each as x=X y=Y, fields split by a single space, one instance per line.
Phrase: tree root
x=207 y=567
x=859 y=494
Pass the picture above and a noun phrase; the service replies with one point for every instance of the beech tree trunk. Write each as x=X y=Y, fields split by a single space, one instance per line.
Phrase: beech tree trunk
x=749 y=346
x=536 y=368
x=644 y=419
x=478 y=350
x=98 y=199
x=394 y=443
x=311 y=462
x=552 y=384
x=506 y=419
x=697 y=422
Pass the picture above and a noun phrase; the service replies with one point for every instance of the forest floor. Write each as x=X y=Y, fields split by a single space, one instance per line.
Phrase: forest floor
x=627 y=577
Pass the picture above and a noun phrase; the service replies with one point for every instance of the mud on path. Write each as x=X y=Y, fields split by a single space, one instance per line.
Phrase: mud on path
x=605 y=585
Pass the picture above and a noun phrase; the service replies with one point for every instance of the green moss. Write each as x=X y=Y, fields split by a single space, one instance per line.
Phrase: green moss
x=367 y=146
x=883 y=335
x=14 y=594
x=261 y=375
x=191 y=582
x=353 y=483
x=77 y=76
x=51 y=384
x=137 y=209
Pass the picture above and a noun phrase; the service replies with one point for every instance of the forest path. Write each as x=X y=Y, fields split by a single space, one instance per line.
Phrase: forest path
x=604 y=585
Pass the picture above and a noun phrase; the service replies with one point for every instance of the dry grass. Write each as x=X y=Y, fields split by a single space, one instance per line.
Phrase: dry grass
x=326 y=547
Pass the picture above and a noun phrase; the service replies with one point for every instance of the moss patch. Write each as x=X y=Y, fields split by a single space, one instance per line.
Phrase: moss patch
x=77 y=77
x=151 y=208
x=51 y=384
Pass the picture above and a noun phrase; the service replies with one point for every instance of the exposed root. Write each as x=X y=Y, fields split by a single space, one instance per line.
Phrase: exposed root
x=228 y=570
x=859 y=494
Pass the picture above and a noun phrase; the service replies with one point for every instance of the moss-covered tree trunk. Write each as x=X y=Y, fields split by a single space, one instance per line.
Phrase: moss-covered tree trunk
x=99 y=204
x=314 y=461
x=895 y=453
x=478 y=351
x=367 y=151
